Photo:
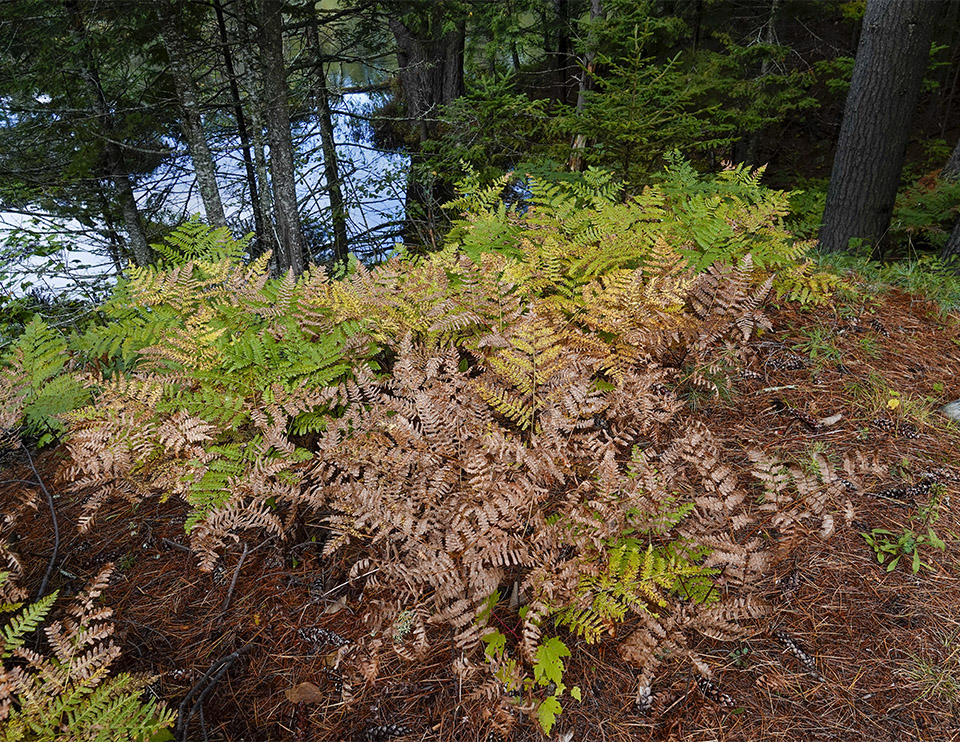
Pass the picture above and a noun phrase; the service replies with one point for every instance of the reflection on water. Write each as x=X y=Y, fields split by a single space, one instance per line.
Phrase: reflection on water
x=51 y=254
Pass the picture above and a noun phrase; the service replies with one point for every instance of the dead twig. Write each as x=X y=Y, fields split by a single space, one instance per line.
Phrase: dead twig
x=233 y=582
x=175 y=545
x=202 y=689
x=56 y=525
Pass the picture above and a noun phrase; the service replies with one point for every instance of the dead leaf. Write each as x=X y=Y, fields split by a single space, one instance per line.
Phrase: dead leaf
x=336 y=606
x=305 y=693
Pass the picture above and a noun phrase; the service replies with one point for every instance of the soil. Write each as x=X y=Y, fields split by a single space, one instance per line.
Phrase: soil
x=846 y=650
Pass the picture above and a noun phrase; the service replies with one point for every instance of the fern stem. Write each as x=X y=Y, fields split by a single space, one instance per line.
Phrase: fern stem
x=56 y=524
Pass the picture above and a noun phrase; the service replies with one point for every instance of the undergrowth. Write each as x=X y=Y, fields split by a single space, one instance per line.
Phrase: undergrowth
x=67 y=693
x=498 y=417
x=924 y=275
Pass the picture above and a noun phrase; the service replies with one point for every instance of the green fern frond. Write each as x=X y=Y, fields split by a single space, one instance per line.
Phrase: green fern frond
x=195 y=241
x=74 y=692
x=17 y=628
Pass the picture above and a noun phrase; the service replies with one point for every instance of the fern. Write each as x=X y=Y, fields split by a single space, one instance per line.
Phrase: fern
x=638 y=577
x=42 y=698
x=459 y=422
x=35 y=383
x=195 y=241
x=18 y=627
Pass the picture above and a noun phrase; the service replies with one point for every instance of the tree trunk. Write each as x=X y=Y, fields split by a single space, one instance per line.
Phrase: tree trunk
x=253 y=84
x=697 y=23
x=260 y=218
x=116 y=165
x=331 y=169
x=945 y=33
x=191 y=123
x=292 y=245
x=951 y=248
x=951 y=171
x=564 y=56
x=431 y=75
x=113 y=238
x=576 y=161
x=514 y=49
x=891 y=59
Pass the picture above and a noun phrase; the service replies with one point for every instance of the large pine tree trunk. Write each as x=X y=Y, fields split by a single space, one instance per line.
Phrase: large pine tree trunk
x=891 y=58
x=431 y=75
x=191 y=123
x=292 y=252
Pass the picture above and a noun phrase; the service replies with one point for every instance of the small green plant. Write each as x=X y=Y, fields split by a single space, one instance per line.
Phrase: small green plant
x=891 y=546
x=818 y=452
x=548 y=668
x=870 y=346
x=740 y=656
x=937 y=676
x=817 y=344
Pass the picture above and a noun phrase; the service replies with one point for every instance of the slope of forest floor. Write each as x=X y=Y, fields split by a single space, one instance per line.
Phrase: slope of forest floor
x=847 y=649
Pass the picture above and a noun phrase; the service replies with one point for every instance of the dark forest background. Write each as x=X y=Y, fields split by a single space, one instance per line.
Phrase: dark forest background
x=257 y=109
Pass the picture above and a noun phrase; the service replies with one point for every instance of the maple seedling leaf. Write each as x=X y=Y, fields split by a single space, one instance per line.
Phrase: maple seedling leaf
x=547 y=713
x=549 y=666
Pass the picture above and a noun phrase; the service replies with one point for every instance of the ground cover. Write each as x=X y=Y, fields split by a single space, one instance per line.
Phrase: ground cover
x=845 y=649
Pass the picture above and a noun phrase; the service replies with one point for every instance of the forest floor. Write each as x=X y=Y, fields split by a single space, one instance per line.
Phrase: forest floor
x=875 y=653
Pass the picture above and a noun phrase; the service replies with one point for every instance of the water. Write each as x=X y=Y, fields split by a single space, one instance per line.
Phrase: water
x=75 y=260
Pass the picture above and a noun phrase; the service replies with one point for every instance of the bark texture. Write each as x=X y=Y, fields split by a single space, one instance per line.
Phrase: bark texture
x=260 y=218
x=191 y=122
x=252 y=83
x=431 y=75
x=331 y=167
x=576 y=163
x=292 y=250
x=891 y=58
x=951 y=171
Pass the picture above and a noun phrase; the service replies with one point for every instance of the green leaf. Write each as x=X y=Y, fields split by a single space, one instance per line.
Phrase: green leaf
x=935 y=541
x=547 y=713
x=549 y=665
x=893 y=565
x=575 y=692
x=496 y=643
